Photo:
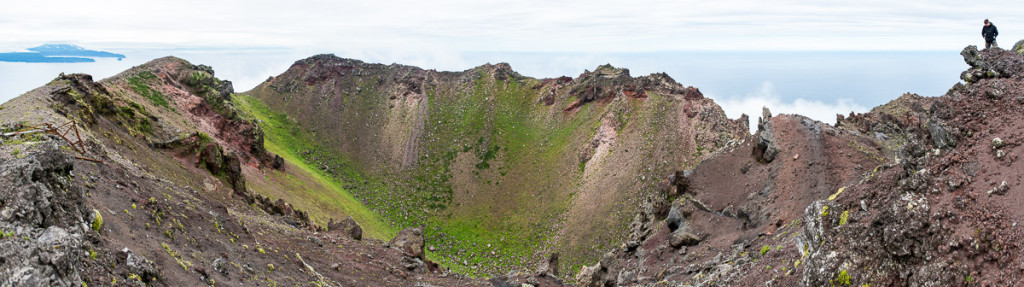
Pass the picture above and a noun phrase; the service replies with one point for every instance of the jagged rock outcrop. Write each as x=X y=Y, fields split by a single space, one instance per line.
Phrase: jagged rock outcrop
x=991 y=63
x=203 y=83
x=767 y=147
x=43 y=219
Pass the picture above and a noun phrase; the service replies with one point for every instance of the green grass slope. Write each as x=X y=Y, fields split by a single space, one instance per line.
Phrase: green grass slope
x=301 y=184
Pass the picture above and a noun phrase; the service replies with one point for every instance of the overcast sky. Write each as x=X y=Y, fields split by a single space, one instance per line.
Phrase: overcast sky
x=247 y=41
x=520 y=25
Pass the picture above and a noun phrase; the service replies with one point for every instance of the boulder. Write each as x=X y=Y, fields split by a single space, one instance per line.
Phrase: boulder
x=212 y=157
x=549 y=266
x=233 y=171
x=348 y=227
x=221 y=265
x=590 y=276
x=410 y=241
x=681 y=181
x=941 y=136
x=283 y=208
x=675 y=217
x=682 y=238
x=138 y=265
x=277 y=163
x=971 y=55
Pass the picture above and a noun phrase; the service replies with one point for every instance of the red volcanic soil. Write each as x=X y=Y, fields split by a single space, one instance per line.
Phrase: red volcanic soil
x=917 y=192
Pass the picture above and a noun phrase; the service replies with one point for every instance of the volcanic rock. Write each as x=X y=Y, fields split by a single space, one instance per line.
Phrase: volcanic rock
x=348 y=227
x=410 y=241
x=682 y=238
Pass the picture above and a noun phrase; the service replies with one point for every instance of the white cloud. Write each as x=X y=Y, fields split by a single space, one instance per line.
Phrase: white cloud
x=521 y=25
x=766 y=96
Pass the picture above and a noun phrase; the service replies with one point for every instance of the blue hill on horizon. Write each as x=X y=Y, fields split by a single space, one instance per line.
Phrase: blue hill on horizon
x=57 y=53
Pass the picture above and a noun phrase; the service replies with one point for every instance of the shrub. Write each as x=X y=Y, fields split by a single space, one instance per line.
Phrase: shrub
x=98 y=222
x=842 y=279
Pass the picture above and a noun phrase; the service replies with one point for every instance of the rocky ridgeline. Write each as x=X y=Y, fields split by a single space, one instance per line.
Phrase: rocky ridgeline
x=422 y=140
x=920 y=191
x=162 y=209
x=936 y=208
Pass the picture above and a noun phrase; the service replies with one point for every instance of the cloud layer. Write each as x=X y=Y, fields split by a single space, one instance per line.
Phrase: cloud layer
x=766 y=96
x=521 y=25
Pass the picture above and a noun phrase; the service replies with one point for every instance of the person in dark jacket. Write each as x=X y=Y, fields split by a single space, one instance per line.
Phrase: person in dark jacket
x=989 y=32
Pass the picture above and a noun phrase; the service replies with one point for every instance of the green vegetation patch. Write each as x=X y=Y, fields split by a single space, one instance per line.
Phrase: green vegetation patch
x=843 y=279
x=315 y=191
x=97 y=222
x=139 y=84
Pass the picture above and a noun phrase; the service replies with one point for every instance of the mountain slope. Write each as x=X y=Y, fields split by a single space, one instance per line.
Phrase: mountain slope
x=917 y=192
x=500 y=168
x=166 y=194
x=639 y=180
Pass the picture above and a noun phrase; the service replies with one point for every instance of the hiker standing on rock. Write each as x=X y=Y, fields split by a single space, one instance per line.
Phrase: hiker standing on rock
x=989 y=32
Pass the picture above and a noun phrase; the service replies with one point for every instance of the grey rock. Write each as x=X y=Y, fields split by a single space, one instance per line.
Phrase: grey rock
x=220 y=265
x=147 y=270
x=41 y=204
x=315 y=240
x=999 y=190
x=971 y=55
x=626 y=278
x=410 y=241
x=549 y=266
x=675 y=217
x=997 y=143
x=813 y=231
x=348 y=227
x=590 y=276
x=765 y=116
x=767 y=147
x=681 y=238
x=413 y=264
x=940 y=135
x=994 y=93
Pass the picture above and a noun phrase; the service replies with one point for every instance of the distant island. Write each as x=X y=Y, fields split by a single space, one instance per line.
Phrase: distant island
x=57 y=53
